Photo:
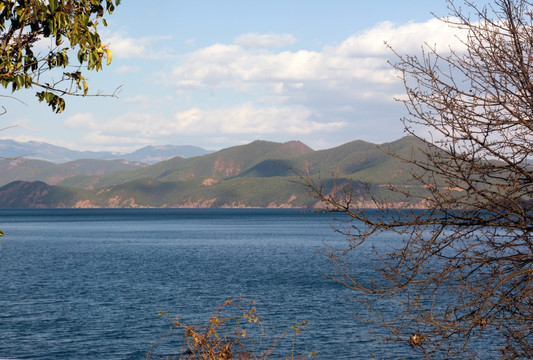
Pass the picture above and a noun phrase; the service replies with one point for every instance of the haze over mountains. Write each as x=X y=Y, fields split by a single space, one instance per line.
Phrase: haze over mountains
x=259 y=174
x=57 y=154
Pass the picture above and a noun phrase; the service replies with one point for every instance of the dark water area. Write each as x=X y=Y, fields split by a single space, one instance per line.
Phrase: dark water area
x=88 y=284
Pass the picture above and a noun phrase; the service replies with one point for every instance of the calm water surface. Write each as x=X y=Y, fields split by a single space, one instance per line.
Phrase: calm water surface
x=88 y=284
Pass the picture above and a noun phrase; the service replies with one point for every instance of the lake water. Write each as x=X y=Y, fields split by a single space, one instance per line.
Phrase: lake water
x=88 y=284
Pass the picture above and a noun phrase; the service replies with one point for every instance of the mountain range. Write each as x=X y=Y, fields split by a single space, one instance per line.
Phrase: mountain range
x=260 y=174
x=56 y=154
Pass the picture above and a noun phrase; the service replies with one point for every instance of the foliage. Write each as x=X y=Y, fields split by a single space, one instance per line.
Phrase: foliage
x=197 y=182
x=254 y=160
x=37 y=194
x=462 y=269
x=234 y=331
x=64 y=25
x=50 y=173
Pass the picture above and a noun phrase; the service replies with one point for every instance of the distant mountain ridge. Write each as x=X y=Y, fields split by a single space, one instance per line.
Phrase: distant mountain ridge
x=154 y=154
x=260 y=174
x=57 y=154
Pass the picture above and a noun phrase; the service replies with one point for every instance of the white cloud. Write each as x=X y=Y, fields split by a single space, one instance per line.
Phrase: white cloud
x=147 y=100
x=111 y=142
x=82 y=121
x=25 y=124
x=254 y=40
x=124 y=132
x=352 y=75
x=125 y=124
x=406 y=38
x=127 y=47
x=250 y=89
x=206 y=67
x=247 y=119
x=127 y=69
x=361 y=57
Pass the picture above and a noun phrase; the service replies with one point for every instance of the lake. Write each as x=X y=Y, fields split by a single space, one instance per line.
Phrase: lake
x=89 y=283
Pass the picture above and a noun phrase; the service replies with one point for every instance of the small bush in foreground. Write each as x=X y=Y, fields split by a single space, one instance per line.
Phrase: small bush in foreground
x=233 y=331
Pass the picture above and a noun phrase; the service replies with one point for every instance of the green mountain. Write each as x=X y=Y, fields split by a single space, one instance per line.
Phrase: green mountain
x=52 y=174
x=259 y=174
x=358 y=160
x=37 y=194
x=222 y=164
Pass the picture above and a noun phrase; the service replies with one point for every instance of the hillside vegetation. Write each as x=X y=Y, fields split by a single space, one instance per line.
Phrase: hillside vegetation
x=259 y=174
x=52 y=174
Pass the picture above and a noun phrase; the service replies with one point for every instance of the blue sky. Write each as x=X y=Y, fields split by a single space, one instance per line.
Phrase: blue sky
x=222 y=73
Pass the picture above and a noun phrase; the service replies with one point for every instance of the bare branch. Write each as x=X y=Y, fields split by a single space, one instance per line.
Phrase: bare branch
x=463 y=266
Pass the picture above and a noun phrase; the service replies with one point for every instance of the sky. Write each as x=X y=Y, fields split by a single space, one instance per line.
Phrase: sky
x=216 y=74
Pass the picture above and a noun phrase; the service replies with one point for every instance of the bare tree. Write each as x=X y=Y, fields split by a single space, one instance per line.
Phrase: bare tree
x=464 y=268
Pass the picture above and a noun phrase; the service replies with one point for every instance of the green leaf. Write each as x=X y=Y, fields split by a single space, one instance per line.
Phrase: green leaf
x=52 y=6
x=28 y=81
x=52 y=27
x=74 y=25
x=91 y=38
x=110 y=7
x=48 y=96
x=92 y=61
x=85 y=87
x=82 y=56
x=59 y=40
x=109 y=55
